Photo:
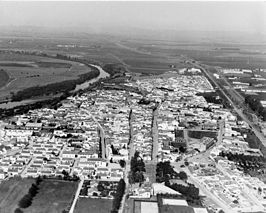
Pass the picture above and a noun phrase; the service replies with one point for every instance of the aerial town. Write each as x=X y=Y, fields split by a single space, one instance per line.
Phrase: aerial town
x=132 y=106
x=93 y=137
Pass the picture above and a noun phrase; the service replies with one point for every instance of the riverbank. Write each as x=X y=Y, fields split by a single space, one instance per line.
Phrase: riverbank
x=23 y=106
x=55 y=88
x=102 y=75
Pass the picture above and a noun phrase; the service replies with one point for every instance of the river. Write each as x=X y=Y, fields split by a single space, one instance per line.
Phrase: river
x=86 y=84
x=82 y=86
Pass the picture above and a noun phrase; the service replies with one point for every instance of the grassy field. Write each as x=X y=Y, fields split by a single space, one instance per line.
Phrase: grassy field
x=28 y=71
x=140 y=56
x=88 y=205
x=53 y=197
x=11 y=192
x=4 y=77
x=247 y=56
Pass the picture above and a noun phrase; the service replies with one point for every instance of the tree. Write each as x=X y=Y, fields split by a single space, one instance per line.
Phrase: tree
x=164 y=171
x=139 y=177
x=104 y=193
x=137 y=168
x=119 y=195
x=182 y=175
x=18 y=210
x=114 y=151
x=122 y=163
x=130 y=178
x=100 y=187
x=33 y=190
x=182 y=149
x=65 y=173
x=26 y=201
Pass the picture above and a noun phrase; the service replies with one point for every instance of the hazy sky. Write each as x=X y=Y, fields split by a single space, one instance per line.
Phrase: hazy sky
x=205 y=16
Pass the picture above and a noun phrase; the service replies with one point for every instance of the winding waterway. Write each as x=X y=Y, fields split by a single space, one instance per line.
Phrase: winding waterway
x=82 y=86
x=86 y=84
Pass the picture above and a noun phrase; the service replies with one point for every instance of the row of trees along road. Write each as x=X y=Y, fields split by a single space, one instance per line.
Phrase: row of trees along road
x=137 y=167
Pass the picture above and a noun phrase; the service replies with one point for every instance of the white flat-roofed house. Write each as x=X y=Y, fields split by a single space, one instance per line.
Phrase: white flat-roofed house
x=88 y=154
x=26 y=153
x=18 y=132
x=88 y=172
x=33 y=126
x=83 y=164
x=4 y=166
x=38 y=154
x=32 y=172
x=45 y=172
x=12 y=172
x=97 y=162
x=68 y=154
x=102 y=173
x=117 y=158
x=174 y=202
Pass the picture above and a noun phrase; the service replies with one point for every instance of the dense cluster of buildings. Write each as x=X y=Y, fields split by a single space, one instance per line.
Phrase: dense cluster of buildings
x=90 y=134
x=222 y=178
x=46 y=142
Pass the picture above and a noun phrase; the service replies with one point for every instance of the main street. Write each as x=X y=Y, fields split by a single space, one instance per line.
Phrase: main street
x=155 y=134
x=101 y=130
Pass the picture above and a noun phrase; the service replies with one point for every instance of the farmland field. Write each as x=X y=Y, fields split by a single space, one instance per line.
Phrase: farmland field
x=53 y=197
x=146 y=57
x=248 y=56
x=27 y=71
x=11 y=191
x=4 y=77
x=90 y=205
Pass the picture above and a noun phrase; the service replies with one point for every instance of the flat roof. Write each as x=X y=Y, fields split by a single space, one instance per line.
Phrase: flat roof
x=149 y=207
x=34 y=125
x=174 y=202
x=160 y=188
x=200 y=210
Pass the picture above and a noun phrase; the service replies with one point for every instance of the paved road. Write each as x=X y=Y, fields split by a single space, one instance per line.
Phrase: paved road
x=102 y=133
x=240 y=98
x=155 y=135
x=221 y=132
x=131 y=142
x=185 y=131
x=238 y=111
x=76 y=162
x=76 y=195
x=22 y=174
x=132 y=49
